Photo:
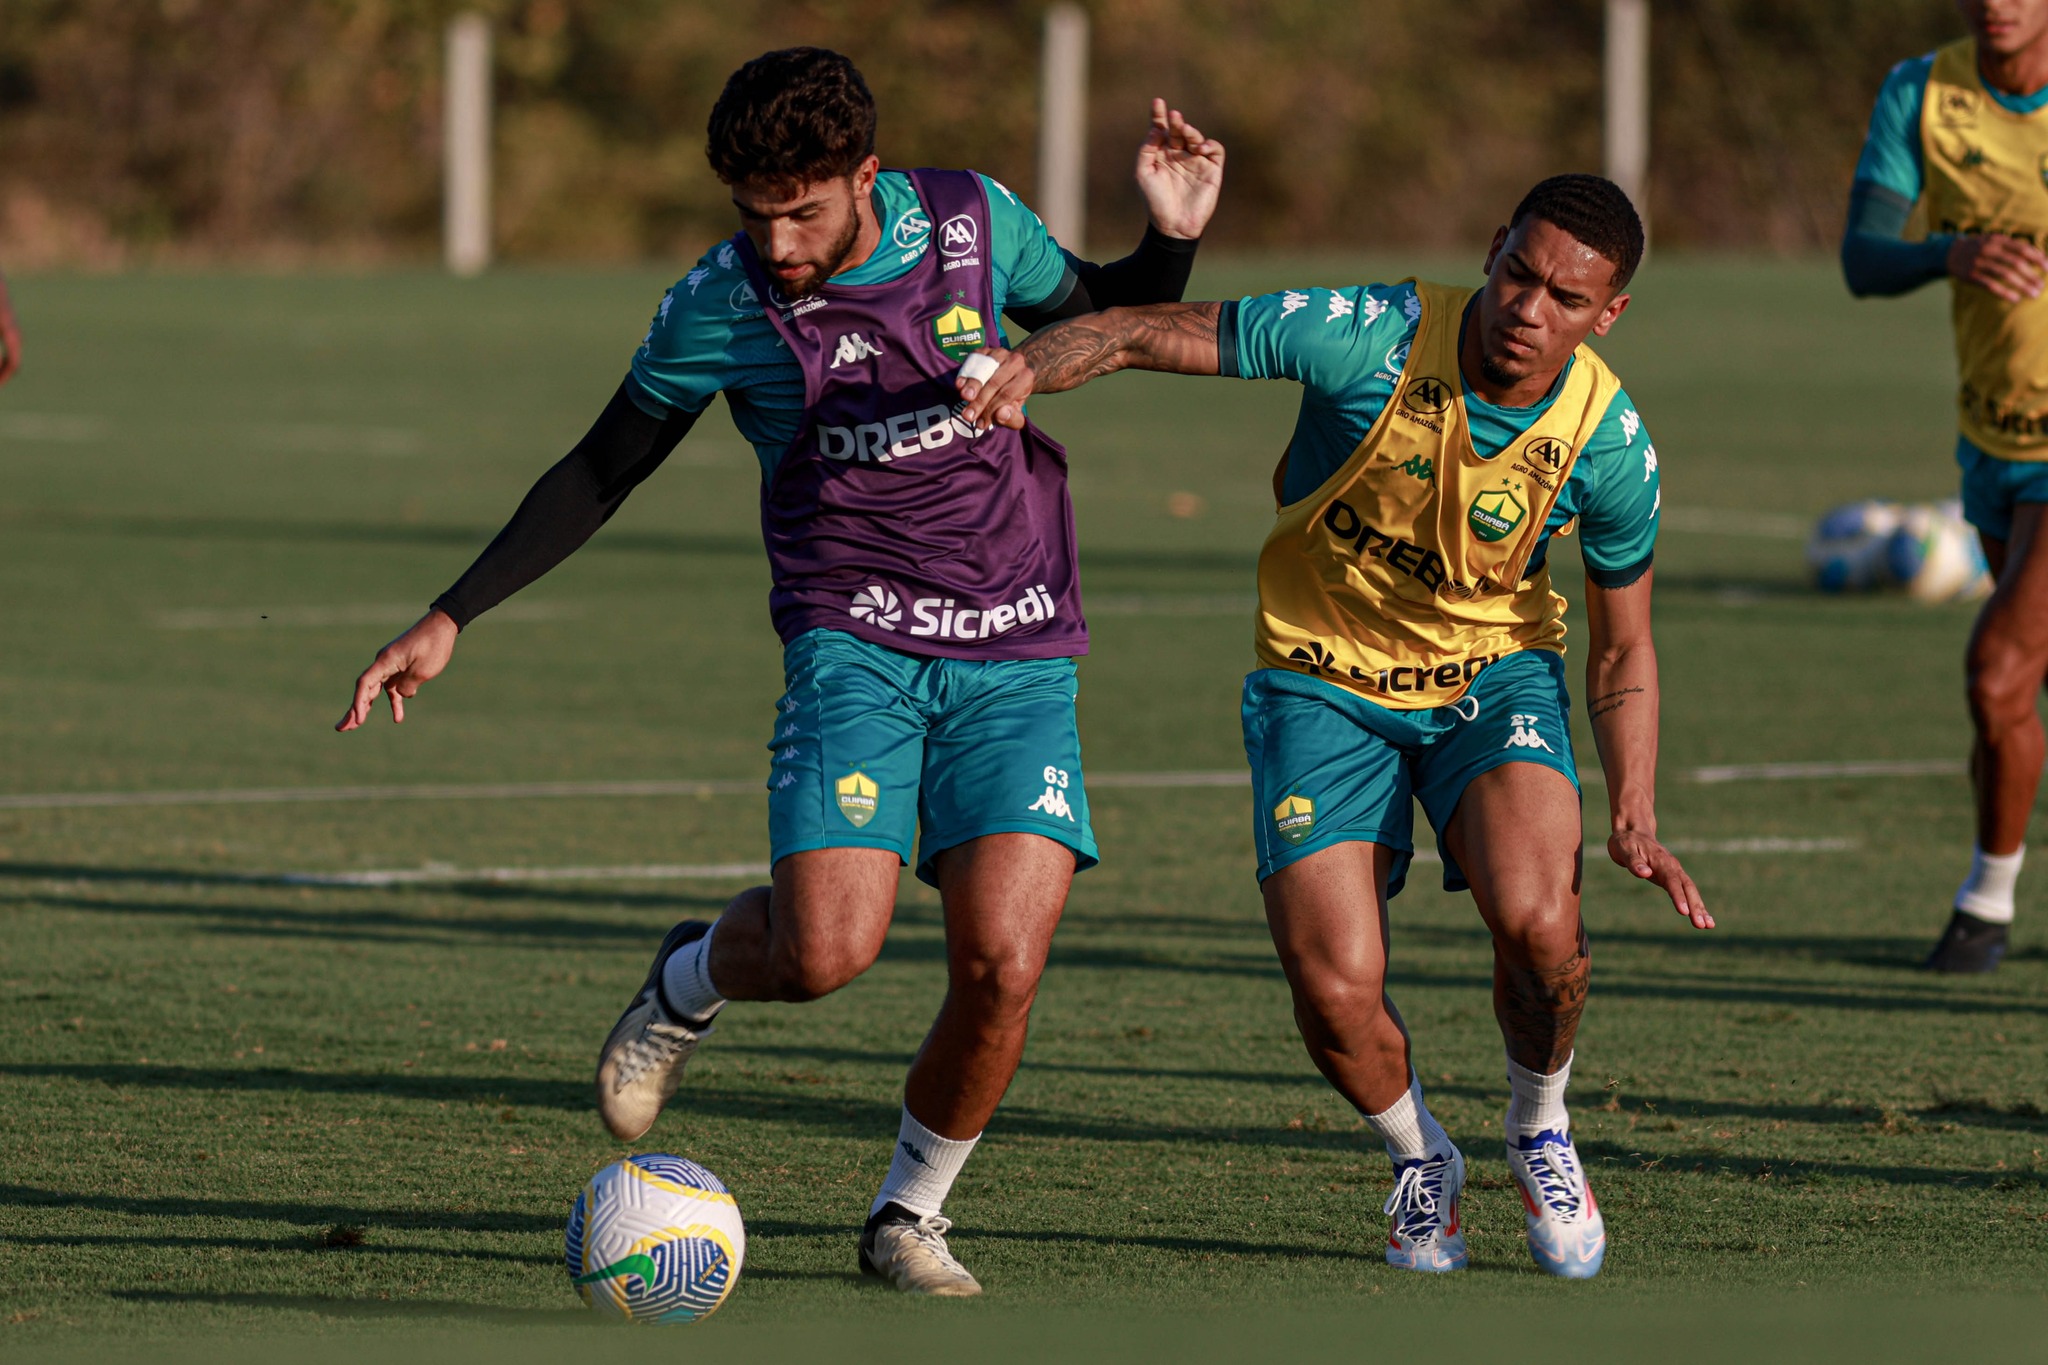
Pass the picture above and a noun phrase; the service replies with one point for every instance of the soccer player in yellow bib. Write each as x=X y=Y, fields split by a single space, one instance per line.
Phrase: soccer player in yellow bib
x=1964 y=131
x=1410 y=647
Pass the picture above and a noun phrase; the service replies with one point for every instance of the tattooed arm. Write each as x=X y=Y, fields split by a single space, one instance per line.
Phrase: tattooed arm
x=1179 y=338
x=1621 y=687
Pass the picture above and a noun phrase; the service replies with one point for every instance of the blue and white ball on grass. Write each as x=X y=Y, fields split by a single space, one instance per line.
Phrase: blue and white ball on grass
x=655 y=1238
x=1849 y=548
x=1936 y=557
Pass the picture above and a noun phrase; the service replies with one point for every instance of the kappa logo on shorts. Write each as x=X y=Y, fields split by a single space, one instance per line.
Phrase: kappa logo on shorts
x=1525 y=736
x=859 y=798
x=1054 y=802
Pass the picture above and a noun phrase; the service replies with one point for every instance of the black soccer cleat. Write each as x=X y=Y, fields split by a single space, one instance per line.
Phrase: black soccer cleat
x=1968 y=946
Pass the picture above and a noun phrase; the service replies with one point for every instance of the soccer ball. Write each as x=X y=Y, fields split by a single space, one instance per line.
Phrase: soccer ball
x=1849 y=549
x=655 y=1239
x=1935 y=555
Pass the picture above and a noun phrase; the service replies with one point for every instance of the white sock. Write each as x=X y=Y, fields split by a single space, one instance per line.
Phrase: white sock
x=1987 y=891
x=924 y=1169
x=1536 y=1101
x=1410 y=1131
x=686 y=980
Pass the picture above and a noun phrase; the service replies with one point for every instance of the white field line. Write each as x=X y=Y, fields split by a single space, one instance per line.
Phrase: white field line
x=565 y=791
x=427 y=876
x=1729 y=521
x=366 y=614
x=52 y=426
x=1763 y=844
x=321 y=438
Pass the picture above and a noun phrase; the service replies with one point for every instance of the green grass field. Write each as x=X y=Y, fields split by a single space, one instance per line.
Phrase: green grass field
x=221 y=494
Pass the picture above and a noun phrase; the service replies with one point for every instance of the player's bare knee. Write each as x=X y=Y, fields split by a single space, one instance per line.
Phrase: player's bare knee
x=2002 y=682
x=997 y=985
x=1541 y=935
x=1340 y=1000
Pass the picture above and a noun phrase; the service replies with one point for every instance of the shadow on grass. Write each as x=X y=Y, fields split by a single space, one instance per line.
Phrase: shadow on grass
x=312 y=1216
x=309 y=1245
x=327 y=1305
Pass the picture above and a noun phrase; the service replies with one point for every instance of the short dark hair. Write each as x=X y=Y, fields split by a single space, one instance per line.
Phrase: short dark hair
x=1593 y=209
x=792 y=117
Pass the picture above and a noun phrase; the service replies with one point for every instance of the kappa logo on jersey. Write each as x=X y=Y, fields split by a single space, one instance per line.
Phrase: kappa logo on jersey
x=912 y=229
x=1525 y=736
x=1294 y=819
x=877 y=606
x=1293 y=301
x=1649 y=462
x=1340 y=307
x=895 y=438
x=852 y=349
x=1370 y=306
x=1958 y=108
x=958 y=236
x=1418 y=468
x=725 y=256
x=1630 y=425
x=1411 y=305
x=1054 y=802
x=958 y=331
x=859 y=798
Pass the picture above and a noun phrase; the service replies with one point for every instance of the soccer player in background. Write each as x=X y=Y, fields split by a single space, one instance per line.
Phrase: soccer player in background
x=924 y=584
x=1964 y=131
x=1410 y=645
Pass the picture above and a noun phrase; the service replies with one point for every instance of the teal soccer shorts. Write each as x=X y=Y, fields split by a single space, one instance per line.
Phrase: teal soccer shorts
x=1330 y=767
x=873 y=747
x=1993 y=487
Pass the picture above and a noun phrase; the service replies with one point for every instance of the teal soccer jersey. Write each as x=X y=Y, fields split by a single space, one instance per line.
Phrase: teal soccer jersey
x=710 y=335
x=1346 y=347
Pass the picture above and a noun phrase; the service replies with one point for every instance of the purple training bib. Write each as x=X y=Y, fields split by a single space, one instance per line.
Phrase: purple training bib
x=889 y=517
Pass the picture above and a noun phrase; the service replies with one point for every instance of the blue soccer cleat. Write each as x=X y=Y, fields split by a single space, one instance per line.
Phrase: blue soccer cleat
x=1425 y=1234
x=1567 y=1235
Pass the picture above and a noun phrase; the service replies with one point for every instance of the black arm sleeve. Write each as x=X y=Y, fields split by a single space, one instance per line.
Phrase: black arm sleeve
x=567 y=505
x=1157 y=272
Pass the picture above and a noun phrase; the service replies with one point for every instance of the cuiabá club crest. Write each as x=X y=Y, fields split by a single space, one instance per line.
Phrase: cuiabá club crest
x=1495 y=513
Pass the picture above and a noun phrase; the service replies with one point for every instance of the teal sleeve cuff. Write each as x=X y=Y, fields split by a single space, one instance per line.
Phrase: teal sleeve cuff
x=1226 y=340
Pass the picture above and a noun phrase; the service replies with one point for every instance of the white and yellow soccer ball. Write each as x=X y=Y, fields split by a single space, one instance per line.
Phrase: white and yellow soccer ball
x=655 y=1238
x=1936 y=557
x=1847 y=551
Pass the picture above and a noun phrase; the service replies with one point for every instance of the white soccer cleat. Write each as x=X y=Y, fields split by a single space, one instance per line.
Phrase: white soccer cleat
x=1425 y=1234
x=643 y=1059
x=1567 y=1235
x=910 y=1252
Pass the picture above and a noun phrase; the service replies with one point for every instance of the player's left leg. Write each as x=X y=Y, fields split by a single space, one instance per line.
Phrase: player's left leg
x=1004 y=819
x=1502 y=790
x=2006 y=665
x=1516 y=837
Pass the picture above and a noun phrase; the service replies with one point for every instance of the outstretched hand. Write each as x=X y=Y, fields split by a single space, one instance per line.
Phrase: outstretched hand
x=1180 y=173
x=1644 y=857
x=402 y=667
x=998 y=399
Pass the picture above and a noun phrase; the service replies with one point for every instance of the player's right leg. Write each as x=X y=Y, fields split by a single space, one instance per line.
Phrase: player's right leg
x=1332 y=816
x=842 y=814
x=2006 y=666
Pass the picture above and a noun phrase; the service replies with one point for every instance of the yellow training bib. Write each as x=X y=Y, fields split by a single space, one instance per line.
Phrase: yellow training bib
x=1403 y=575
x=1987 y=171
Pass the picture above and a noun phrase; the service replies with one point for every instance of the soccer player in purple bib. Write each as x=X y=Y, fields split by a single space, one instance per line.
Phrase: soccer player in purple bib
x=925 y=588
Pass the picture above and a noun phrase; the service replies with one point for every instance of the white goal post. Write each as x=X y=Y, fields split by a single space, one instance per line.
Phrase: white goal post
x=466 y=132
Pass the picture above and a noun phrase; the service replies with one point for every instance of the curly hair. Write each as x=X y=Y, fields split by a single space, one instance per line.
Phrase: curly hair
x=791 y=117
x=1593 y=209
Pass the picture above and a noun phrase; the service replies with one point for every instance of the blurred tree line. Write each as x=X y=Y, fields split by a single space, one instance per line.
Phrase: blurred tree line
x=295 y=130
